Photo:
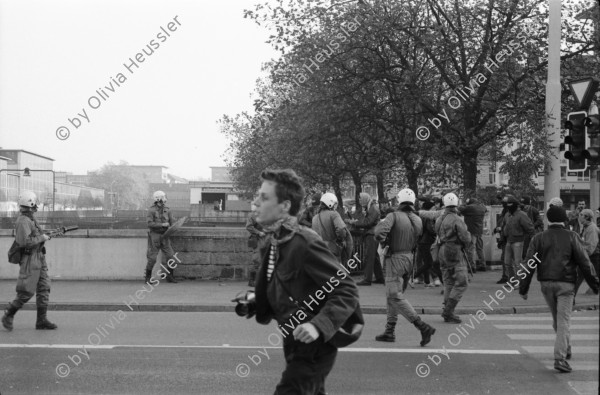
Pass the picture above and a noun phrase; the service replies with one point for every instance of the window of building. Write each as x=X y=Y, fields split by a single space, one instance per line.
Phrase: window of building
x=583 y=175
x=493 y=178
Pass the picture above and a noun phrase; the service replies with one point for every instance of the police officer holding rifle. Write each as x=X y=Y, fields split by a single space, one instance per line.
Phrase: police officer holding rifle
x=29 y=252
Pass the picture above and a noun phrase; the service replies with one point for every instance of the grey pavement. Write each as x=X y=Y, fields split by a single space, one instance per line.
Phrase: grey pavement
x=213 y=296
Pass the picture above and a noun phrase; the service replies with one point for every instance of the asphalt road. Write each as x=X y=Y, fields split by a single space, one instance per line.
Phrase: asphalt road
x=207 y=353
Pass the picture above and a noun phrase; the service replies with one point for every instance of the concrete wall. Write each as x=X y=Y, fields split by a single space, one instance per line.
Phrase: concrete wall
x=121 y=254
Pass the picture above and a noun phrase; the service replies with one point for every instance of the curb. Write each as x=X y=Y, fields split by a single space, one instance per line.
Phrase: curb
x=194 y=308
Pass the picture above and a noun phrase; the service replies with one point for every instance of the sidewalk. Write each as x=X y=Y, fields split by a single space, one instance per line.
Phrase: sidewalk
x=212 y=296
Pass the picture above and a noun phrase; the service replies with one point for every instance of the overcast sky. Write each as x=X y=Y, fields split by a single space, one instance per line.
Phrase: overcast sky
x=54 y=55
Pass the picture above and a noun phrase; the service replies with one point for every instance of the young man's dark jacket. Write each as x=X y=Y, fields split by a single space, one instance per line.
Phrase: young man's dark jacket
x=560 y=252
x=516 y=226
x=304 y=266
x=474 y=214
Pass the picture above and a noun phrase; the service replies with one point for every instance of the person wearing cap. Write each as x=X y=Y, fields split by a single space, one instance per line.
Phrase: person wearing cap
x=329 y=225
x=474 y=213
x=454 y=239
x=400 y=231
x=559 y=252
x=367 y=224
x=516 y=225
x=589 y=235
x=557 y=202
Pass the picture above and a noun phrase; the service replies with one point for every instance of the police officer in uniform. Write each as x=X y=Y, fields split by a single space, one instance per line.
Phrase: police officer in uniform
x=33 y=272
x=159 y=220
x=454 y=238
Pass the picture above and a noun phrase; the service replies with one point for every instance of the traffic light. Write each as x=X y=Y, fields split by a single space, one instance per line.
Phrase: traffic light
x=576 y=141
x=592 y=130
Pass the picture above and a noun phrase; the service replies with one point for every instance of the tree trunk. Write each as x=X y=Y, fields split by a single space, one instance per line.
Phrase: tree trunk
x=380 y=186
x=468 y=165
x=357 y=178
x=412 y=176
x=335 y=181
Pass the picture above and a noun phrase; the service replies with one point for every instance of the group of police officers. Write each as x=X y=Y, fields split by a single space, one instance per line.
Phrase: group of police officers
x=275 y=223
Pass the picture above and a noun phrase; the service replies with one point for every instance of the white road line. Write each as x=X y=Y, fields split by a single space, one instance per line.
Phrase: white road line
x=430 y=351
x=87 y=346
x=500 y=317
x=366 y=349
x=547 y=326
x=546 y=336
x=550 y=350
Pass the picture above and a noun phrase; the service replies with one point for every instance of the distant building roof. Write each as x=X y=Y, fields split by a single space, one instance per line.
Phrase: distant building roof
x=143 y=166
x=29 y=152
x=177 y=180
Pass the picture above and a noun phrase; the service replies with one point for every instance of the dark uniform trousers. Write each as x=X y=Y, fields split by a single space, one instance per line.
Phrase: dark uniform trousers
x=307 y=367
x=33 y=278
x=157 y=243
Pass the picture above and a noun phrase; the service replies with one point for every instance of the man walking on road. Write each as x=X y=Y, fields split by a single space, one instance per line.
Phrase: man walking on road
x=516 y=226
x=33 y=271
x=454 y=239
x=301 y=284
x=560 y=252
x=402 y=228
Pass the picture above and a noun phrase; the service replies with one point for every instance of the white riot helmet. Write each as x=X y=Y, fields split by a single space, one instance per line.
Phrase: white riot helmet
x=450 y=200
x=406 y=196
x=28 y=199
x=329 y=199
x=160 y=196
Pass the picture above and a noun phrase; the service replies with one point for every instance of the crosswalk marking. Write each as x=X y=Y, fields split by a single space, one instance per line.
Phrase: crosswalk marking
x=545 y=326
x=550 y=349
x=500 y=317
x=575 y=364
x=547 y=336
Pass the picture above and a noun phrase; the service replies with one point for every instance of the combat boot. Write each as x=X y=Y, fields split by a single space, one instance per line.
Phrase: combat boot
x=9 y=315
x=170 y=277
x=448 y=313
x=147 y=277
x=42 y=322
x=388 y=335
x=426 y=331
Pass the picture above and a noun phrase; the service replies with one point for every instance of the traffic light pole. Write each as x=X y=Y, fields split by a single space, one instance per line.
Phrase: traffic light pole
x=594 y=170
x=553 y=94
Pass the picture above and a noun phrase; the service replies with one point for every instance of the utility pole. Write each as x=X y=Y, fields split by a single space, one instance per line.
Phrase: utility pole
x=594 y=173
x=553 y=94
